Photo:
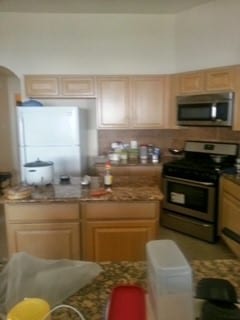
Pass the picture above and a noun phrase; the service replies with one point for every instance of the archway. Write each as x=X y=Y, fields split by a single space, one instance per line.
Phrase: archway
x=9 y=94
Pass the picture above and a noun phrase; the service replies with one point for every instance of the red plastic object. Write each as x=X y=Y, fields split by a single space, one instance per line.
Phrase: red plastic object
x=127 y=303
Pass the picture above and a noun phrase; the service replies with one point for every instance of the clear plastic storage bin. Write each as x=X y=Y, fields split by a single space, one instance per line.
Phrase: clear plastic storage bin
x=169 y=279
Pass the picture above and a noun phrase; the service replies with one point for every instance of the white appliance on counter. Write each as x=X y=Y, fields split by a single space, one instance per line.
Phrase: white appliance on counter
x=57 y=134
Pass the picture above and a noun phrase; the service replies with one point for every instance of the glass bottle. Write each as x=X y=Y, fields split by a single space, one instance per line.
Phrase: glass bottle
x=108 y=175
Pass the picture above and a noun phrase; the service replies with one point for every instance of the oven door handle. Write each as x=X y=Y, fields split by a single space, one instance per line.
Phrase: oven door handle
x=207 y=184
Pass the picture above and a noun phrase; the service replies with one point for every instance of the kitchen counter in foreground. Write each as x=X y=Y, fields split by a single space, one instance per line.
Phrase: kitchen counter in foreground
x=91 y=300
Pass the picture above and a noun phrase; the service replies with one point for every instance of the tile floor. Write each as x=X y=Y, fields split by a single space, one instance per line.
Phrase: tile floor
x=192 y=248
x=195 y=249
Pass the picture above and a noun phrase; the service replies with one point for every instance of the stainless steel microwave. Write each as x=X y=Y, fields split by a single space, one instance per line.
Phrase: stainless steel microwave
x=205 y=109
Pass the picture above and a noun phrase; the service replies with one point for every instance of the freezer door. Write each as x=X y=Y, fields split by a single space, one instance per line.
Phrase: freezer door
x=48 y=126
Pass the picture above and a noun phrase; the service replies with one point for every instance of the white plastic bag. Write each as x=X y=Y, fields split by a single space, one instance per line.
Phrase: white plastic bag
x=25 y=276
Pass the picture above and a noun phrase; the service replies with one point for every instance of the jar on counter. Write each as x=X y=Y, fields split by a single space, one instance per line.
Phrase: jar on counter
x=150 y=150
x=143 y=151
x=156 y=155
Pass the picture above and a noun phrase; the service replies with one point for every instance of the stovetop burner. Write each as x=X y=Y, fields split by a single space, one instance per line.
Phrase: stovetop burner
x=199 y=162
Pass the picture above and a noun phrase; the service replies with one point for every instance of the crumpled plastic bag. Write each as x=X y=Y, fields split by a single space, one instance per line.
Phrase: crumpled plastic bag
x=25 y=276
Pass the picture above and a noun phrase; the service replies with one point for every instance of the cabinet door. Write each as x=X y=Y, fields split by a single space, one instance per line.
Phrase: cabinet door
x=45 y=240
x=76 y=86
x=148 y=101
x=190 y=82
x=124 y=240
x=41 y=86
x=113 y=102
x=220 y=79
x=231 y=219
x=118 y=231
x=47 y=230
x=229 y=211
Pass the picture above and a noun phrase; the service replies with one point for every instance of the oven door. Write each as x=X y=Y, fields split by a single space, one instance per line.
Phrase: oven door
x=191 y=198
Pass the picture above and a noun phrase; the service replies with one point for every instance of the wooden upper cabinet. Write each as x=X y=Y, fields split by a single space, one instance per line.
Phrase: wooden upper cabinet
x=50 y=86
x=209 y=80
x=75 y=86
x=148 y=101
x=41 y=86
x=191 y=82
x=113 y=102
x=132 y=102
x=220 y=79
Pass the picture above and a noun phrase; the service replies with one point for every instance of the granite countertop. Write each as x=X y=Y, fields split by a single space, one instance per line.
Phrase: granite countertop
x=124 y=188
x=92 y=299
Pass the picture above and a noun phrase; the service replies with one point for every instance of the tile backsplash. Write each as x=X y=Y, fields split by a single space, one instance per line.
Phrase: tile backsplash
x=165 y=138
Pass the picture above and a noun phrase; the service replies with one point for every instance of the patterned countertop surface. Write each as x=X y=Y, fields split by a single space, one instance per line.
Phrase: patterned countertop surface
x=125 y=188
x=92 y=299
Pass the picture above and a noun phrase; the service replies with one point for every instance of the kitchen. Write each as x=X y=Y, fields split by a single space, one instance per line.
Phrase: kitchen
x=168 y=55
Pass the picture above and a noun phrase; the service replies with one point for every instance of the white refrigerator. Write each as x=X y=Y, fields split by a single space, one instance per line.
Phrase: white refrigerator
x=57 y=134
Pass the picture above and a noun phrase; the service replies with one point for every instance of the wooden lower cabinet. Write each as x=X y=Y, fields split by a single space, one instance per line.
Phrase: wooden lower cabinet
x=50 y=231
x=104 y=231
x=117 y=231
x=230 y=214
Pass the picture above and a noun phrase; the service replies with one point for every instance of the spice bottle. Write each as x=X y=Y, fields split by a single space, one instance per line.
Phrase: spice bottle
x=108 y=175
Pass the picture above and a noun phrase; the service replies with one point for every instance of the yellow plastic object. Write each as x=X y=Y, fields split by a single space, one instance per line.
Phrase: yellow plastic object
x=29 y=309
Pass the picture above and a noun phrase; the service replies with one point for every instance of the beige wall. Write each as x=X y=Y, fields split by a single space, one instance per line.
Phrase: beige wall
x=208 y=35
x=9 y=86
x=87 y=43
x=204 y=36
x=5 y=129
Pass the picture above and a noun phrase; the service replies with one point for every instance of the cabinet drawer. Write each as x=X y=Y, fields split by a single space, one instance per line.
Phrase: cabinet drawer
x=120 y=210
x=42 y=212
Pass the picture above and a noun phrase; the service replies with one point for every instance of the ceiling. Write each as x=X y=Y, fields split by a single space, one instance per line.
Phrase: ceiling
x=100 y=6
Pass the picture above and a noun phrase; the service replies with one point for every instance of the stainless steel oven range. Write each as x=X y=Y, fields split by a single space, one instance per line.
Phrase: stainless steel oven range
x=190 y=187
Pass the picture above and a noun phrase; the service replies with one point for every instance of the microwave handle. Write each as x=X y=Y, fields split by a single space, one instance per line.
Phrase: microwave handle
x=213 y=111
